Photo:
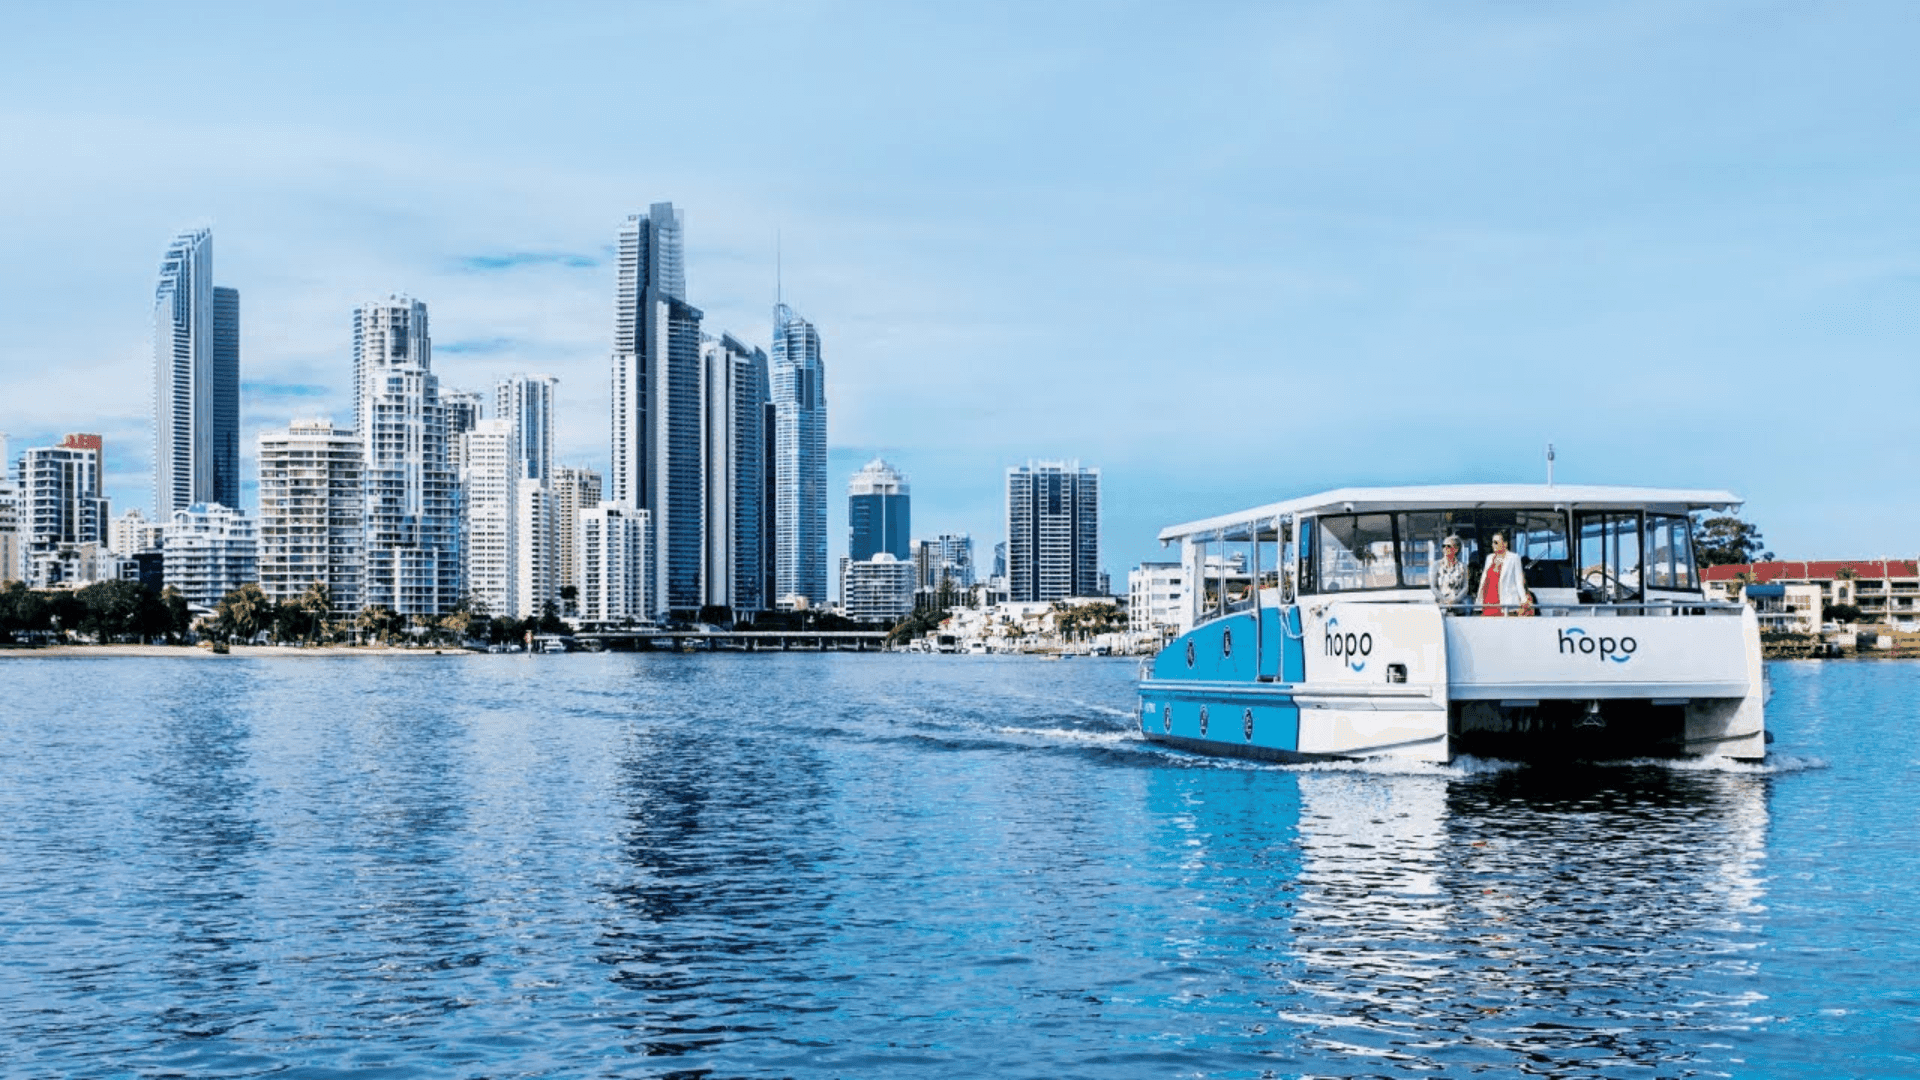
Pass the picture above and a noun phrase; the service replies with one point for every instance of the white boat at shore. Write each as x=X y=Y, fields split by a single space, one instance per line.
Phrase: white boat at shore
x=1325 y=635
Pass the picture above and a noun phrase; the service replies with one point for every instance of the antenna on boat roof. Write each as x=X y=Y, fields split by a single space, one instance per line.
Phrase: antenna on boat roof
x=1549 y=464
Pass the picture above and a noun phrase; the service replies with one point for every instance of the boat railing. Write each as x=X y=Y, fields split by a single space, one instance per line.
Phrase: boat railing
x=1648 y=607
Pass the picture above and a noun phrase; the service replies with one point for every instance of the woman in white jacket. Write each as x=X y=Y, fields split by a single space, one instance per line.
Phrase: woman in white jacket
x=1502 y=584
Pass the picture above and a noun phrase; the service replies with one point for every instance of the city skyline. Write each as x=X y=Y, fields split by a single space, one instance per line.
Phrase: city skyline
x=1280 y=205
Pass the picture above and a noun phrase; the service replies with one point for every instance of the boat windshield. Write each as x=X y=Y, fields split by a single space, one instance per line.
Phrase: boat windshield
x=1361 y=552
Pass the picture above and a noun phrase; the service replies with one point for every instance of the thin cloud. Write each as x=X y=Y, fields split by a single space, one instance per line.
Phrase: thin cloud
x=478 y=346
x=516 y=260
x=283 y=391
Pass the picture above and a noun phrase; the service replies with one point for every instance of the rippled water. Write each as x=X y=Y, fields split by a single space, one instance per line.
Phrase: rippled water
x=860 y=865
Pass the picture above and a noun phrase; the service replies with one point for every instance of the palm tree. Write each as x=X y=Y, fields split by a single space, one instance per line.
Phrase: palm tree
x=376 y=621
x=315 y=603
x=243 y=612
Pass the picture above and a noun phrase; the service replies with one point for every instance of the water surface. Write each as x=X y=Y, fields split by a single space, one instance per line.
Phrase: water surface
x=864 y=865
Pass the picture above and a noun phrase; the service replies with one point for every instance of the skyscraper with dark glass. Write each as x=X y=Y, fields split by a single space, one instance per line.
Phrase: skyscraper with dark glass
x=878 y=517
x=656 y=422
x=800 y=462
x=736 y=387
x=196 y=381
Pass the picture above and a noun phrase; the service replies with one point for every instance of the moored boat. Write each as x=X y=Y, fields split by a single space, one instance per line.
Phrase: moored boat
x=1366 y=622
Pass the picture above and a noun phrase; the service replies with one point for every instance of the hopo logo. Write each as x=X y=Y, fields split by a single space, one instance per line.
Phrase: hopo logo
x=1577 y=642
x=1349 y=648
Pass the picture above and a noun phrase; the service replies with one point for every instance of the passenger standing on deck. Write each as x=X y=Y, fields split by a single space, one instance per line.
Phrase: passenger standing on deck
x=1450 y=575
x=1501 y=582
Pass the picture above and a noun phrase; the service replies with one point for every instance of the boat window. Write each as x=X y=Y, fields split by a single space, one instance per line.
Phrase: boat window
x=1540 y=539
x=1356 y=552
x=1610 y=556
x=1669 y=551
x=1422 y=533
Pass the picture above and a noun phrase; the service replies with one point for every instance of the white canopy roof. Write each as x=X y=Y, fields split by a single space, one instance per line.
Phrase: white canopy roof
x=1240 y=525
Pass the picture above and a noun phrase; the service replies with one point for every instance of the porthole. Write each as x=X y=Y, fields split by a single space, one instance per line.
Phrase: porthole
x=1226 y=643
x=1246 y=724
x=1189 y=652
x=1203 y=721
x=1166 y=718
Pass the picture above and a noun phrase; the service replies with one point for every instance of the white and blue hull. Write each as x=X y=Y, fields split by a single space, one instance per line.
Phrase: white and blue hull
x=1343 y=679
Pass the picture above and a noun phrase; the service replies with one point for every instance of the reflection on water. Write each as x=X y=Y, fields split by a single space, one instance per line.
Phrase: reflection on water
x=1596 y=915
x=883 y=866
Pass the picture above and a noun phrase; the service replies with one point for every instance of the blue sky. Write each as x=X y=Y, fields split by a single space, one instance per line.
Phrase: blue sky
x=1225 y=252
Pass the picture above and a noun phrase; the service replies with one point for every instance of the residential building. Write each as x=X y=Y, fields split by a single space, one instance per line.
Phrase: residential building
x=574 y=490
x=486 y=480
x=531 y=579
x=613 y=559
x=209 y=550
x=944 y=562
x=12 y=542
x=312 y=527
x=879 y=513
x=879 y=589
x=412 y=553
x=1885 y=590
x=196 y=381
x=656 y=406
x=131 y=533
x=526 y=402
x=464 y=409
x=63 y=516
x=1053 y=531
x=736 y=386
x=1159 y=598
x=798 y=378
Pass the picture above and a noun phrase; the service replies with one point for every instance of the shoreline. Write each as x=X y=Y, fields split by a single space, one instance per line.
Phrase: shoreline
x=194 y=651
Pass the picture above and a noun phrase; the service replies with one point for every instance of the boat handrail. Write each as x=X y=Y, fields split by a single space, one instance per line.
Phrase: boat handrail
x=1468 y=610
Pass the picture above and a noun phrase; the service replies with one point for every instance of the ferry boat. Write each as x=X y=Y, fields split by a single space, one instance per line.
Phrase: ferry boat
x=1315 y=630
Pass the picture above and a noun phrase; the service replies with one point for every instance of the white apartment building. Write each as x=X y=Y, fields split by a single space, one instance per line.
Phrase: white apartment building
x=131 y=533
x=1158 y=595
x=487 y=453
x=209 y=551
x=311 y=527
x=612 y=554
x=879 y=589
x=413 y=563
x=530 y=575
x=525 y=403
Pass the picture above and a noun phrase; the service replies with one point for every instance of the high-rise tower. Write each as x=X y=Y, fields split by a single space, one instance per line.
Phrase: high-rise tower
x=1053 y=531
x=412 y=554
x=800 y=462
x=196 y=381
x=878 y=513
x=525 y=402
x=656 y=429
x=736 y=387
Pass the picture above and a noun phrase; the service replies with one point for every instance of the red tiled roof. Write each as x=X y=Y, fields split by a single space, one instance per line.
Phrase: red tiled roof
x=1815 y=569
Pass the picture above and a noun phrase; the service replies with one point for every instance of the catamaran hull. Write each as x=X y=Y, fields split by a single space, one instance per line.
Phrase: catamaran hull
x=1355 y=680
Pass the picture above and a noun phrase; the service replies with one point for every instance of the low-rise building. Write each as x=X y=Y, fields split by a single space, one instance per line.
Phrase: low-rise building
x=1158 y=598
x=1885 y=590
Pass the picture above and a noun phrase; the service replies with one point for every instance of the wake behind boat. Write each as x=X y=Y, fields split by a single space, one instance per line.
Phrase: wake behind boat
x=1502 y=620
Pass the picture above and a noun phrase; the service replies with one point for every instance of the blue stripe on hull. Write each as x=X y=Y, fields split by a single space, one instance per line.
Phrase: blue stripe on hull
x=1230 y=724
x=1230 y=651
